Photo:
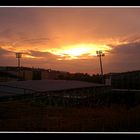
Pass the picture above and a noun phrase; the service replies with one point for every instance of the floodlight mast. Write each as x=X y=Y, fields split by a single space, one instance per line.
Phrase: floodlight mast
x=100 y=54
x=18 y=56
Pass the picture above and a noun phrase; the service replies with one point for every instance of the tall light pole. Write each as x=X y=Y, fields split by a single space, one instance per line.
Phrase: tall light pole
x=100 y=54
x=18 y=56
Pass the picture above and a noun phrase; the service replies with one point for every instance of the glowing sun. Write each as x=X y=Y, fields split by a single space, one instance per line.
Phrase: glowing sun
x=78 y=50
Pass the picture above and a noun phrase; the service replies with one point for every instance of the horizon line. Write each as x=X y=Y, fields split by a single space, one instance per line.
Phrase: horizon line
x=72 y=72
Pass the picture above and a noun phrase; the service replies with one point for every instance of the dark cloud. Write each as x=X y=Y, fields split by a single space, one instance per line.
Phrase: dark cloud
x=45 y=55
x=39 y=54
x=130 y=48
x=123 y=57
x=6 y=59
x=75 y=65
x=4 y=52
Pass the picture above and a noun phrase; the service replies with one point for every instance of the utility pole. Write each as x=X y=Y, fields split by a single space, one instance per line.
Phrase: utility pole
x=100 y=54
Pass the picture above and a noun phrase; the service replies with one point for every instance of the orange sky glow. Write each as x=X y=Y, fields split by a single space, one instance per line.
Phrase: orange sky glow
x=67 y=38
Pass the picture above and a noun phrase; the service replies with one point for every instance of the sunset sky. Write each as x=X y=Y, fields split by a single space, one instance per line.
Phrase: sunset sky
x=67 y=38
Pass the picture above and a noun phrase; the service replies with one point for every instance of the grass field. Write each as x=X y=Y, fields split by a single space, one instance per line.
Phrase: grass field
x=26 y=115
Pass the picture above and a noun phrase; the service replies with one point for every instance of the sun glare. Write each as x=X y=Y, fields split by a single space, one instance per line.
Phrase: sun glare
x=28 y=56
x=78 y=50
x=68 y=52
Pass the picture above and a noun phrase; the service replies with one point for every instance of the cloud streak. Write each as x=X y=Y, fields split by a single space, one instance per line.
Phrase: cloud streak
x=33 y=31
x=4 y=52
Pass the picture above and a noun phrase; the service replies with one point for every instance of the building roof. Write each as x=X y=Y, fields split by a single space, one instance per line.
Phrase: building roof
x=50 y=85
x=7 y=74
